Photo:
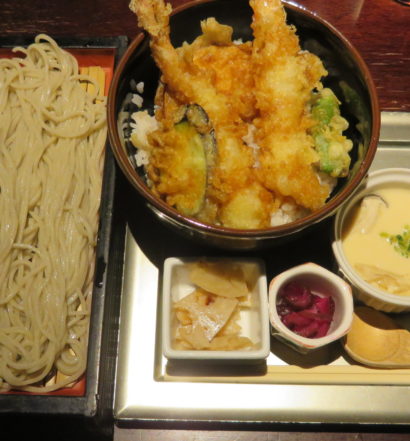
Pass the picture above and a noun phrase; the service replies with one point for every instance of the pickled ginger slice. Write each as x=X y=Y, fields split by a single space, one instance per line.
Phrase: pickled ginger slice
x=223 y=278
x=233 y=342
x=207 y=317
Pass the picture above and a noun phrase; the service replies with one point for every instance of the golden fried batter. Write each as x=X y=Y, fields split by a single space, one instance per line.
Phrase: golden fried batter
x=285 y=77
x=229 y=69
x=256 y=96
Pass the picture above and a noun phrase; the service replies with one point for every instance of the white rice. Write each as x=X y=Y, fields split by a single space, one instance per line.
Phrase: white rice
x=140 y=87
x=143 y=124
x=288 y=212
x=137 y=100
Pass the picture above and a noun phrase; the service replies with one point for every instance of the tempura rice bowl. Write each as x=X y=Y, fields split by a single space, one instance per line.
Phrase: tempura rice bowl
x=348 y=76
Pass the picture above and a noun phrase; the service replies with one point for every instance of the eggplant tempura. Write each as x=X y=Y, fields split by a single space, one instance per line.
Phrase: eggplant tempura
x=244 y=133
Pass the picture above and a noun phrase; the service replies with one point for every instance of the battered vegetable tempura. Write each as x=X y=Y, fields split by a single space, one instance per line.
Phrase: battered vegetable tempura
x=235 y=142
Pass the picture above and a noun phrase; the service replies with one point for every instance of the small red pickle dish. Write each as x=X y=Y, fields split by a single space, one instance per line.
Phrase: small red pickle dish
x=304 y=312
x=309 y=307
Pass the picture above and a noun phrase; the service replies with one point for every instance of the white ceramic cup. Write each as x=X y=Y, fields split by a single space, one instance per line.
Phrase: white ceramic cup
x=320 y=280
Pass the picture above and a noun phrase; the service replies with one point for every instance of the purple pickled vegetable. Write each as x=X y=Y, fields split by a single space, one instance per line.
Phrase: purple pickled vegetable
x=283 y=309
x=294 y=319
x=309 y=331
x=323 y=329
x=304 y=313
x=296 y=295
x=322 y=308
x=325 y=305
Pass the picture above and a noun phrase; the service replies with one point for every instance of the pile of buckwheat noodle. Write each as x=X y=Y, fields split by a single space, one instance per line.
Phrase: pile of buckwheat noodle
x=52 y=136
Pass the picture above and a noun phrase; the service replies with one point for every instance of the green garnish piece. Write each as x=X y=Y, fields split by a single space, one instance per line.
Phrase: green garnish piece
x=400 y=242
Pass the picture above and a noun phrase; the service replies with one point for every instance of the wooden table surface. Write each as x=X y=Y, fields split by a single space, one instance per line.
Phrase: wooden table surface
x=379 y=29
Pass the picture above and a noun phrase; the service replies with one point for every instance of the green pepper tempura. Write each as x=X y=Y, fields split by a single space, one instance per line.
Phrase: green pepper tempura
x=332 y=146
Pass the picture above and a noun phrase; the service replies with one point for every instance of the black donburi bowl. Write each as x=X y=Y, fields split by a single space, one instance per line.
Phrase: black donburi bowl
x=348 y=77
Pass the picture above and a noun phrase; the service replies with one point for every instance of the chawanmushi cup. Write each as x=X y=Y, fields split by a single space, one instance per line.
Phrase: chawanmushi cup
x=364 y=291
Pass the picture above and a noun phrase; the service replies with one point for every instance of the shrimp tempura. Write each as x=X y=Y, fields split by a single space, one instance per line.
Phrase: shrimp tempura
x=191 y=76
x=284 y=79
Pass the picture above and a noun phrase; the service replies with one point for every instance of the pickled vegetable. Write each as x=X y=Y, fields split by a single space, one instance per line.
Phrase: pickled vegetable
x=303 y=312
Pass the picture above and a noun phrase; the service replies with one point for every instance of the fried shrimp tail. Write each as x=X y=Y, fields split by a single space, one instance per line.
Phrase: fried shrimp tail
x=188 y=88
x=153 y=17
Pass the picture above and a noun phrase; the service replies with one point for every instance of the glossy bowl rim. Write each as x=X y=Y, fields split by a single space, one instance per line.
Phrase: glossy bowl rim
x=375 y=178
x=266 y=233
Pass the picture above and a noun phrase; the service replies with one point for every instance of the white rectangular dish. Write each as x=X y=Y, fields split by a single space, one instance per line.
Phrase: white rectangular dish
x=253 y=320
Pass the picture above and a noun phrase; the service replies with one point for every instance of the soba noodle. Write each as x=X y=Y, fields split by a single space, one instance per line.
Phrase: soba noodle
x=52 y=136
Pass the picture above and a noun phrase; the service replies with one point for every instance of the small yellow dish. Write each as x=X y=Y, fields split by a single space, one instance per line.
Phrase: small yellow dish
x=377 y=341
